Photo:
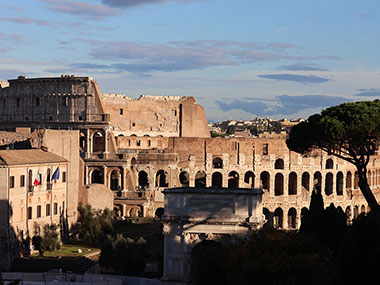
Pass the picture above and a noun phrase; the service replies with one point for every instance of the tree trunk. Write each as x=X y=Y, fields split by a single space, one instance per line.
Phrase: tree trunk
x=368 y=195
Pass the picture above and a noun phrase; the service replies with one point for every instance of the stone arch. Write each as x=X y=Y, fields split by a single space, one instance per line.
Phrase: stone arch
x=356 y=212
x=82 y=141
x=184 y=179
x=143 y=179
x=356 y=180
x=305 y=181
x=348 y=214
x=268 y=216
x=279 y=184
x=200 y=179
x=329 y=183
x=292 y=218
x=217 y=179
x=115 y=179
x=249 y=178
x=304 y=211
x=349 y=180
x=369 y=178
x=292 y=184
x=217 y=162
x=233 y=179
x=133 y=163
x=98 y=142
x=339 y=183
x=278 y=218
x=135 y=212
x=97 y=177
x=362 y=209
x=279 y=164
x=161 y=178
x=329 y=164
x=265 y=180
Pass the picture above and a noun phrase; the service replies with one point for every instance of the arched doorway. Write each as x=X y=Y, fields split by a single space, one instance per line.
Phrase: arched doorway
x=143 y=179
x=292 y=185
x=217 y=179
x=97 y=177
x=329 y=164
x=115 y=179
x=233 y=180
x=306 y=181
x=98 y=142
x=217 y=162
x=278 y=218
x=349 y=181
x=329 y=184
x=339 y=183
x=184 y=179
x=249 y=178
x=200 y=179
x=292 y=218
x=264 y=180
x=279 y=164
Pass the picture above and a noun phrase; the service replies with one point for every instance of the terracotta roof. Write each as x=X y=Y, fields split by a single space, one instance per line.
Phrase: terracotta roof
x=28 y=156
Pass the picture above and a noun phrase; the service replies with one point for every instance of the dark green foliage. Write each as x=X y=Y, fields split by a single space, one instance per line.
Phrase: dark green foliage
x=359 y=258
x=37 y=244
x=124 y=255
x=94 y=225
x=49 y=241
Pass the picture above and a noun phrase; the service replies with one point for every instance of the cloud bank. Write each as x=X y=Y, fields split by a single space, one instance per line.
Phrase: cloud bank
x=295 y=78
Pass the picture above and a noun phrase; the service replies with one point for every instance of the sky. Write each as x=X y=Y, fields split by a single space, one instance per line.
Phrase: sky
x=240 y=59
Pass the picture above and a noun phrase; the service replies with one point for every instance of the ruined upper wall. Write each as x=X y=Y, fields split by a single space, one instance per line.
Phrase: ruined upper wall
x=49 y=100
x=168 y=116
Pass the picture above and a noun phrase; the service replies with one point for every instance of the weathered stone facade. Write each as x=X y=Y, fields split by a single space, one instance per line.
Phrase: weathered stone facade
x=138 y=147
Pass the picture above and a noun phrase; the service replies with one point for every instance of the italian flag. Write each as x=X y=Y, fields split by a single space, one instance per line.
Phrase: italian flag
x=37 y=180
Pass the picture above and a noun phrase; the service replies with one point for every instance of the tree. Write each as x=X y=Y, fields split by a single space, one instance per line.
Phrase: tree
x=350 y=131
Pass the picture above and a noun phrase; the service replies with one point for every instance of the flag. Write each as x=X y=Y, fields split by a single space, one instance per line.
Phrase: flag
x=37 y=180
x=55 y=174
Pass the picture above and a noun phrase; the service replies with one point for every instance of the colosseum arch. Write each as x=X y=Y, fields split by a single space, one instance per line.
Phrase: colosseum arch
x=292 y=184
x=305 y=181
x=339 y=183
x=115 y=180
x=233 y=180
x=278 y=218
x=217 y=179
x=98 y=142
x=143 y=179
x=279 y=184
x=292 y=218
x=82 y=141
x=200 y=179
x=329 y=183
x=356 y=180
x=369 y=178
x=317 y=179
x=348 y=214
x=356 y=212
x=161 y=178
x=362 y=209
x=184 y=179
x=265 y=180
x=279 y=164
x=217 y=162
x=329 y=164
x=249 y=178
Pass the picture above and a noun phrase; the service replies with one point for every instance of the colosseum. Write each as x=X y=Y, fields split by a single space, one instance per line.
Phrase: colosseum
x=132 y=149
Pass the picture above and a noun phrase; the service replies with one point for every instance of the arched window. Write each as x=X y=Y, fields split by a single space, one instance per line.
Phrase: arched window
x=292 y=186
x=279 y=184
x=292 y=218
x=98 y=142
x=200 y=179
x=356 y=180
x=329 y=184
x=306 y=181
x=97 y=177
x=217 y=162
x=115 y=179
x=317 y=180
x=339 y=183
x=279 y=164
x=249 y=178
x=161 y=177
x=217 y=179
x=184 y=179
x=329 y=164
x=264 y=180
x=143 y=179
x=233 y=180
x=349 y=180
x=278 y=218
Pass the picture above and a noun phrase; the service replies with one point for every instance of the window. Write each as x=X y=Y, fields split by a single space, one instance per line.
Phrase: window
x=55 y=208
x=22 y=180
x=64 y=176
x=121 y=111
x=265 y=149
x=47 y=209
x=29 y=213
x=80 y=118
x=149 y=143
x=38 y=211
x=37 y=101
x=63 y=206
x=138 y=142
x=133 y=124
x=11 y=182
x=17 y=102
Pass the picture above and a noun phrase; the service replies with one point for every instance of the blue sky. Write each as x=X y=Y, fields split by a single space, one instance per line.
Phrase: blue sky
x=240 y=59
